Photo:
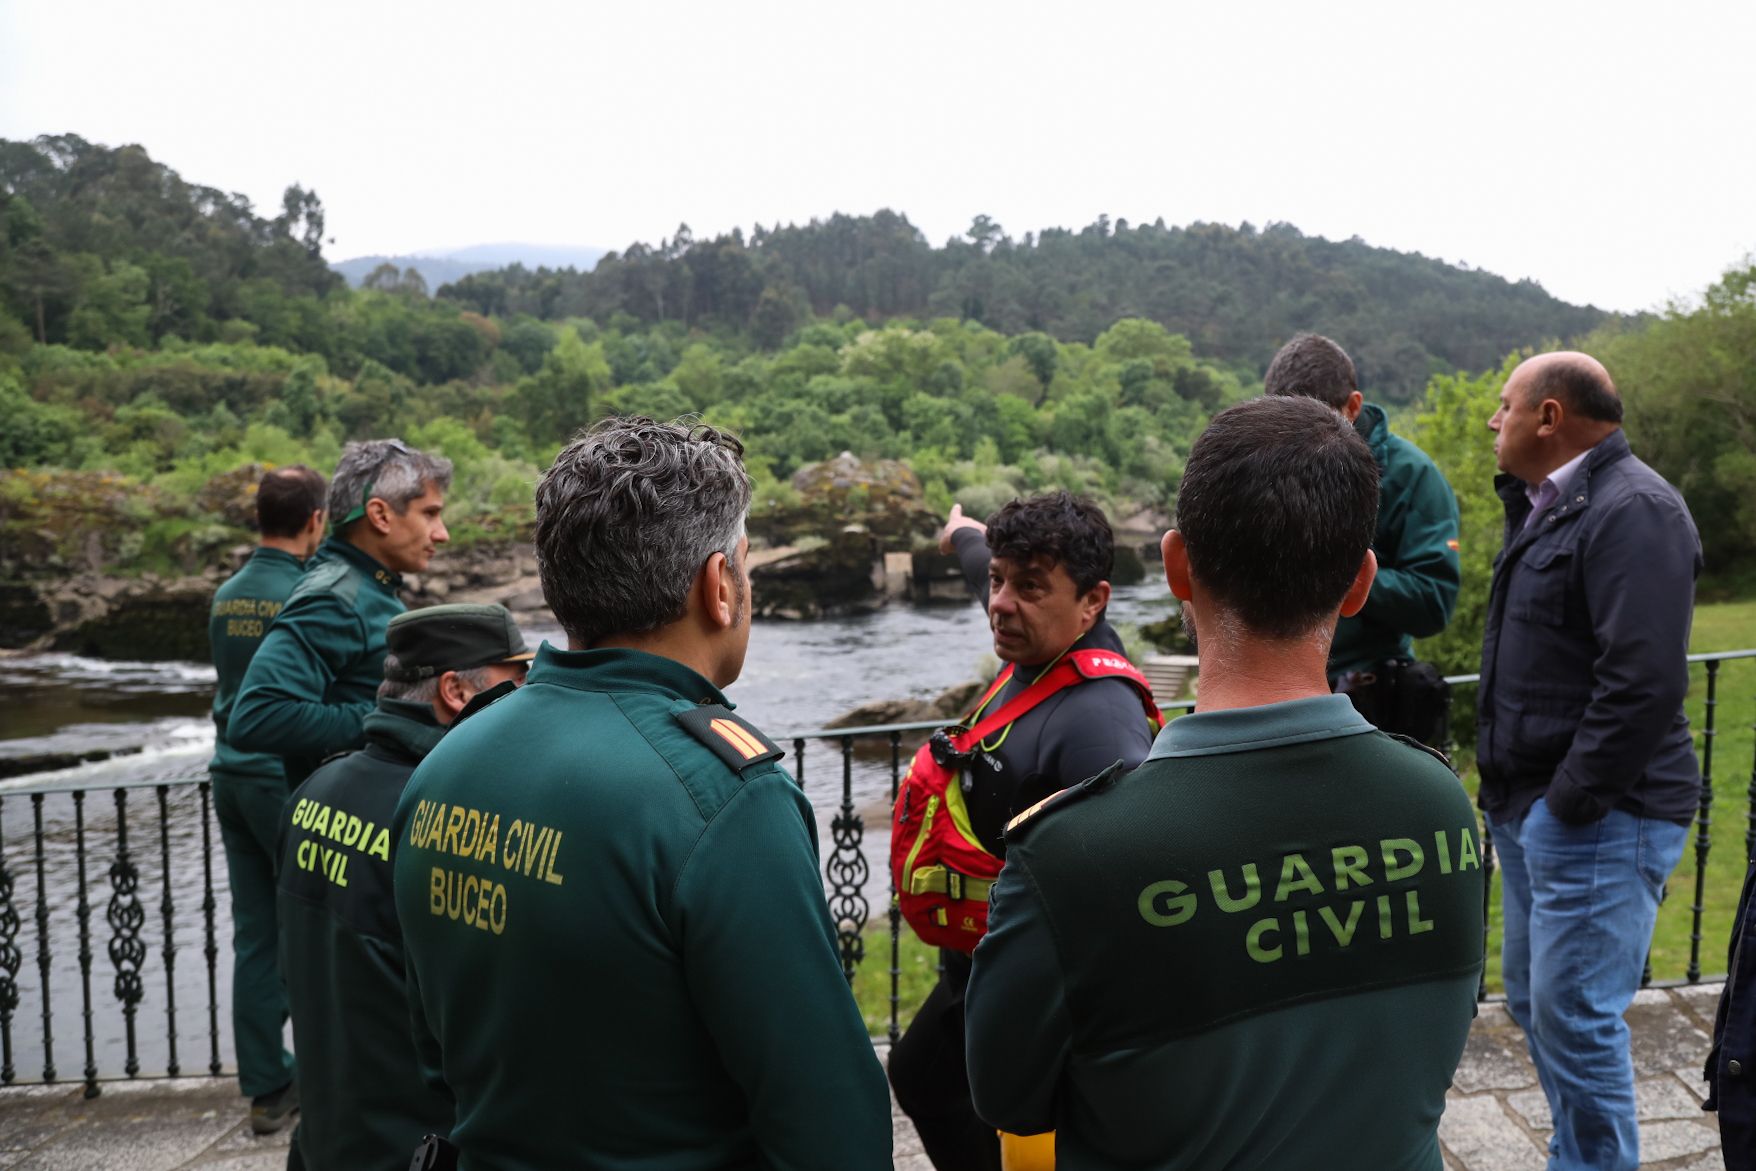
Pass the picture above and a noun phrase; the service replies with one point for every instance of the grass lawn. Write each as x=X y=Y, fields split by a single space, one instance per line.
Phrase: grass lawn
x=1720 y=626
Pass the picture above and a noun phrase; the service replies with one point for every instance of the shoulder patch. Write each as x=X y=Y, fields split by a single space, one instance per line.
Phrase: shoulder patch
x=1068 y=796
x=1432 y=752
x=482 y=699
x=732 y=738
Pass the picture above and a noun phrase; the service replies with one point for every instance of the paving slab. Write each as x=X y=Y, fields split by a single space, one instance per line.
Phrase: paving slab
x=1495 y=1120
x=1479 y=1135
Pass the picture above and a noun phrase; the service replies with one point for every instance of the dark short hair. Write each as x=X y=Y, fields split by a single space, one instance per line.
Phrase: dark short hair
x=626 y=517
x=1312 y=366
x=286 y=498
x=1277 y=507
x=1581 y=387
x=1069 y=530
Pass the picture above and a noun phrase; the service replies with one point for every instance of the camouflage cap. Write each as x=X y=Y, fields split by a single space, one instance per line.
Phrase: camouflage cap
x=457 y=637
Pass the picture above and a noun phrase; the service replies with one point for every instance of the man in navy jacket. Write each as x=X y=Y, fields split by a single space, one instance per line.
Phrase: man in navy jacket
x=1588 y=774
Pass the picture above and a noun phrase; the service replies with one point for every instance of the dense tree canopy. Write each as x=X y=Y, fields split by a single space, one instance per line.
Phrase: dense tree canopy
x=1237 y=293
x=167 y=333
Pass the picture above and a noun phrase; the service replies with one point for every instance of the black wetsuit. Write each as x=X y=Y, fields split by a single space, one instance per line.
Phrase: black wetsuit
x=1074 y=734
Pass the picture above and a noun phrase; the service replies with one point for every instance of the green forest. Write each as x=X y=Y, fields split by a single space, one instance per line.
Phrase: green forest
x=157 y=336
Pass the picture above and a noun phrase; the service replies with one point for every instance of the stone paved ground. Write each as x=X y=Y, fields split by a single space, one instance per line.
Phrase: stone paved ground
x=1496 y=1120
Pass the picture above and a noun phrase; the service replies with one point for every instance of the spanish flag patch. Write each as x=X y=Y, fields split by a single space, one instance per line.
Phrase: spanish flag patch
x=734 y=740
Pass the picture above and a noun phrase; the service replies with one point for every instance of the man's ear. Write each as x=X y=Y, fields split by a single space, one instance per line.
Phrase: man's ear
x=1550 y=414
x=719 y=591
x=1362 y=587
x=1351 y=409
x=1094 y=601
x=1176 y=556
x=378 y=513
x=450 y=697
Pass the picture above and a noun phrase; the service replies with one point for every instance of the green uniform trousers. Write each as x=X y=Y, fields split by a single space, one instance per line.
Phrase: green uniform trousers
x=249 y=810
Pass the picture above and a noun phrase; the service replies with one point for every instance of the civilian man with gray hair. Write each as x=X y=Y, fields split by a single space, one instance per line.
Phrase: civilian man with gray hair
x=619 y=952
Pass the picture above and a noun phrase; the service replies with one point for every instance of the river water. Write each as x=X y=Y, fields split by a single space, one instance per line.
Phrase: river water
x=797 y=677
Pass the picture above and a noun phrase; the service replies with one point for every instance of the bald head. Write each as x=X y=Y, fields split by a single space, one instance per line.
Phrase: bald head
x=1553 y=407
x=1577 y=381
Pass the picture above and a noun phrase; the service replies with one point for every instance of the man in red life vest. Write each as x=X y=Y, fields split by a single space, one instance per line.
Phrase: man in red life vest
x=1041 y=567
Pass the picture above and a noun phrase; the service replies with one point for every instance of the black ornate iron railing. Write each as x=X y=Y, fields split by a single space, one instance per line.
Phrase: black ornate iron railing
x=47 y=868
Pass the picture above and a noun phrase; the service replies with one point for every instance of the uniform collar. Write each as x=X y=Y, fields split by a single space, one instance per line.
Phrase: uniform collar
x=620 y=669
x=1374 y=427
x=1296 y=721
x=361 y=560
x=264 y=553
x=407 y=729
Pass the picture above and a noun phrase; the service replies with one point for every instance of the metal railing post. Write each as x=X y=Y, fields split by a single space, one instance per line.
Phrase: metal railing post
x=126 y=916
x=170 y=950
x=1703 y=824
x=847 y=871
x=210 y=948
x=36 y=801
x=10 y=959
x=84 y=914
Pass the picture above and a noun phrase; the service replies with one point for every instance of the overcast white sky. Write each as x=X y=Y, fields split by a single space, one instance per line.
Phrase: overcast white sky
x=1604 y=149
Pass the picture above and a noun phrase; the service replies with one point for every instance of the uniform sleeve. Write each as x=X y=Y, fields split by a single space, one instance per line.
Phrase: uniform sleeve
x=787 y=1028
x=1639 y=571
x=1416 y=588
x=1097 y=724
x=973 y=557
x=281 y=706
x=429 y=1058
x=1017 y=1029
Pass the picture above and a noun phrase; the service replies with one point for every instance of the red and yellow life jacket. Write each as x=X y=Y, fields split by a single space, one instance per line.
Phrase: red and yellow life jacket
x=940 y=868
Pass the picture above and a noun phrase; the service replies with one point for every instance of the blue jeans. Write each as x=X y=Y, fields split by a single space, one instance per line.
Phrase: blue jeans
x=1578 y=905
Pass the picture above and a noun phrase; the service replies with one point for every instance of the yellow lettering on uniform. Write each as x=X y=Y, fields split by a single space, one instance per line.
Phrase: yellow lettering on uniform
x=514 y=843
x=472 y=829
x=1383 y=916
x=346 y=829
x=1253 y=941
x=1166 y=904
x=320 y=823
x=550 y=874
x=1296 y=875
x=1301 y=934
x=1443 y=848
x=1343 y=932
x=381 y=846
x=299 y=811
x=471 y=887
x=1252 y=889
x=417 y=822
x=436 y=892
x=452 y=825
x=1395 y=871
x=1349 y=863
x=1416 y=924
x=490 y=841
x=497 y=909
x=453 y=896
x=1466 y=851
x=304 y=854
x=534 y=854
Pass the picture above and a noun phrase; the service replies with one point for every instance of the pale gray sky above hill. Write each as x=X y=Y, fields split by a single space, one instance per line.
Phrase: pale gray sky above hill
x=1604 y=149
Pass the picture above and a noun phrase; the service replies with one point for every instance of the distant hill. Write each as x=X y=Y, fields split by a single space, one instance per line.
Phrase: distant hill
x=444 y=266
x=1236 y=292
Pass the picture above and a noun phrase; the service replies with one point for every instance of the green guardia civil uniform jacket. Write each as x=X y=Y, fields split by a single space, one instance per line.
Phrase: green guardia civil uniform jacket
x=365 y=1102
x=1415 y=591
x=244 y=608
x=1258 y=950
x=316 y=674
x=619 y=951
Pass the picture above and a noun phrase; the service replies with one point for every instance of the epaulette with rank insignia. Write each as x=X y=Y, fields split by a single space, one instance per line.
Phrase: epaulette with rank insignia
x=732 y=738
x=1430 y=751
x=1064 y=798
